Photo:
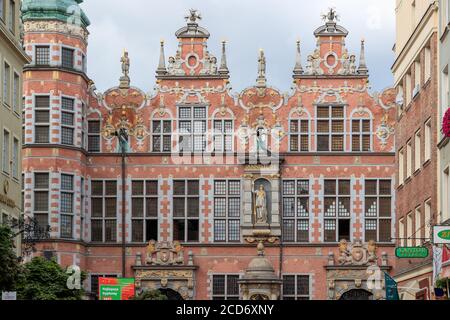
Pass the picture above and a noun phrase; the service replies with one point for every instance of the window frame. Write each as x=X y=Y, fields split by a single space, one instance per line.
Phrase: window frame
x=6 y=151
x=296 y=295
x=70 y=127
x=42 y=124
x=330 y=134
x=71 y=215
x=186 y=218
x=42 y=55
x=226 y=295
x=192 y=135
x=42 y=190
x=104 y=218
x=94 y=135
x=161 y=135
x=297 y=218
x=64 y=63
x=227 y=218
x=145 y=217
x=337 y=217
x=361 y=134
x=223 y=135
x=378 y=217
x=300 y=135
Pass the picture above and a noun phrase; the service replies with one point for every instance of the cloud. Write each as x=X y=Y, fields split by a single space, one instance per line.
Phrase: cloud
x=247 y=25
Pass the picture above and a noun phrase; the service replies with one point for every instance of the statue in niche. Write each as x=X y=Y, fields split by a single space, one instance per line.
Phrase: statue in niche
x=213 y=65
x=171 y=67
x=261 y=140
x=260 y=206
x=352 y=64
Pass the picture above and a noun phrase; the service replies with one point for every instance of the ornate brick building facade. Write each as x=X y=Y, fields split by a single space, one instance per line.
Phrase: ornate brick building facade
x=210 y=173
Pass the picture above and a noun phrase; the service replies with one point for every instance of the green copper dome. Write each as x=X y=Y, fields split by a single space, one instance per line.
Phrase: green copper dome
x=61 y=10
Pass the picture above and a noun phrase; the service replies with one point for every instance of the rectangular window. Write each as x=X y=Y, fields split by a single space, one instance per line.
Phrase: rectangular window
x=429 y=219
x=162 y=136
x=330 y=128
x=418 y=226
x=378 y=210
x=299 y=135
x=16 y=93
x=361 y=135
x=6 y=84
x=192 y=129
x=445 y=90
x=401 y=166
x=296 y=211
x=223 y=135
x=186 y=210
x=225 y=287
x=409 y=229
x=15 y=158
x=12 y=16
x=104 y=211
x=5 y=152
x=409 y=159
x=428 y=140
x=67 y=58
x=417 y=76
x=227 y=211
x=144 y=211
x=409 y=91
x=83 y=63
x=42 y=119
x=67 y=120
x=401 y=232
x=41 y=200
x=67 y=212
x=337 y=210
x=42 y=55
x=94 y=136
x=428 y=64
x=296 y=287
x=417 y=151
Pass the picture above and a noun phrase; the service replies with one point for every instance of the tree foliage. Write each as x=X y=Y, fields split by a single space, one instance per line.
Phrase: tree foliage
x=43 y=279
x=9 y=264
x=150 y=295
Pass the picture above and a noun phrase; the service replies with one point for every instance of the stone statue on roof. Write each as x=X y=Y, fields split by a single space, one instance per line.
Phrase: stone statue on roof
x=193 y=16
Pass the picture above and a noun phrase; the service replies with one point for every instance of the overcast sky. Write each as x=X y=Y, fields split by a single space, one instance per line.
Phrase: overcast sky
x=247 y=25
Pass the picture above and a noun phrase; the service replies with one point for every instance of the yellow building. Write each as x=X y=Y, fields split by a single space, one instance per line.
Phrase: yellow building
x=417 y=81
x=12 y=60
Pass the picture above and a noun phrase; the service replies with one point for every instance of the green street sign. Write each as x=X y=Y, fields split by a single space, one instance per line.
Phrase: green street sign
x=412 y=253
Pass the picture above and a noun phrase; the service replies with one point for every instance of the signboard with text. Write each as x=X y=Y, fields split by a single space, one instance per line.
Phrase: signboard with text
x=412 y=252
x=441 y=235
x=11 y=296
x=116 y=288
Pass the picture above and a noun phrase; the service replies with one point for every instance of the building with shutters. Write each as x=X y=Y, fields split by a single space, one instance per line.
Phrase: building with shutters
x=209 y=172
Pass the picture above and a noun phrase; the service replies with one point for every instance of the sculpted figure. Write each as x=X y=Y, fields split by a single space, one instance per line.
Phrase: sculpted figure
x=261 y=205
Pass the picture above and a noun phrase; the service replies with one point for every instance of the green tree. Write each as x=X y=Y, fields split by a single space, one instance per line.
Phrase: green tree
x=150 y=295
x=9 y=264
x=43 y=279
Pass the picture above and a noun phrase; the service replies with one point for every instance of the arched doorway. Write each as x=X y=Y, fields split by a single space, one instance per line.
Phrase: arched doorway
x=357 y=294
x=171 y=295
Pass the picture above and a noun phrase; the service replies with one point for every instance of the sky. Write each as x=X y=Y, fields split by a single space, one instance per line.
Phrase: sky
x=246 y=25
